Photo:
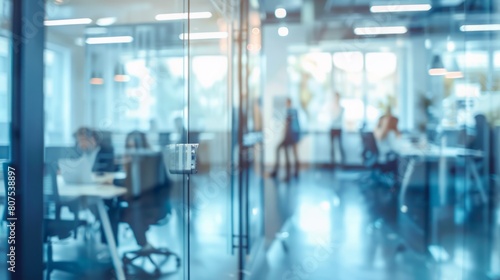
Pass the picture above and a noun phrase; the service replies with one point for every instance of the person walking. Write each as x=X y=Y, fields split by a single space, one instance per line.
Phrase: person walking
x=290 y=140
x=336 y=128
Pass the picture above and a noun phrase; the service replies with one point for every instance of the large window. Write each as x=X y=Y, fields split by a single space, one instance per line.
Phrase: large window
x=367 y=83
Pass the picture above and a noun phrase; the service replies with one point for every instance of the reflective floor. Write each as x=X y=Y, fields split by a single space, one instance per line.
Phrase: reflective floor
x=336 y=232
x=323 y=225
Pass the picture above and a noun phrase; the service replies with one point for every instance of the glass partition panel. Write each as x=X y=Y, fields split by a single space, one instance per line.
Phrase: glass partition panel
x=116 y=94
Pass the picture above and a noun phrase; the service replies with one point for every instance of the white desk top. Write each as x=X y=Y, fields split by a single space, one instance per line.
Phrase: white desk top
x=97 y=189
x=434 y=151
x=101 y=190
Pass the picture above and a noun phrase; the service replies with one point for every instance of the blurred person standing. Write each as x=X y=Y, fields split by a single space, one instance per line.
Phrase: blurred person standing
x=336 y=128
x=290 y=139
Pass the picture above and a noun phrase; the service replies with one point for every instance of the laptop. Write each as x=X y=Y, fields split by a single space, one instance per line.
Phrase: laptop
x=77 y=171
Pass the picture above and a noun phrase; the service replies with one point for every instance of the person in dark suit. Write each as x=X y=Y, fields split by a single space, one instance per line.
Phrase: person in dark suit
x=89 y=143
x=291 y=138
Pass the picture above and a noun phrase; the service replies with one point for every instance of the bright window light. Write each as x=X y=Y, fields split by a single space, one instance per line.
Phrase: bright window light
x=179 y=16
x=109 y=40
x=380 y=30
x=480 y=27
x=73 y=21
x=280 y=13
x=400 y=8
x=203 y=36
x=283 y=31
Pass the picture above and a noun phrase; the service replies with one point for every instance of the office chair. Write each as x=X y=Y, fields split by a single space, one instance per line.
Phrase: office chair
x=380 y=186
x=382 y=172
x=148 y=207
x=54 y=226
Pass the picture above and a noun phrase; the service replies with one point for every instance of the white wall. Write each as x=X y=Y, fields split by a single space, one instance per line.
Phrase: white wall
x=77 y=78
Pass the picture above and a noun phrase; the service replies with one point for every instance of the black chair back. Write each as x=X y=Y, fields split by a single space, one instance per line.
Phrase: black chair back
x=51 y=199
x=370 y=150
x=151 y=174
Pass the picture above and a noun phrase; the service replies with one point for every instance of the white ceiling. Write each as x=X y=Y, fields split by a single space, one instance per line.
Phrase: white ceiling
x=128 y=12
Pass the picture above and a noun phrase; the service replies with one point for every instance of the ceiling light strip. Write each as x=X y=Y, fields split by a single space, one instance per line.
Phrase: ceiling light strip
x=109 y=40
x=179 y=16
x=400 y=8
x=72 y=21
x=479 y=27
x=380 y=30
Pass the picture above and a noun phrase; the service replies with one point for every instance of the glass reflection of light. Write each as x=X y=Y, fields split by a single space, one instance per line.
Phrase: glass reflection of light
x=209 y=224
x=463 y=258
x=314 y=220
x=353 y=222
x=336 y=201
x=255 y=211
x=325 y=205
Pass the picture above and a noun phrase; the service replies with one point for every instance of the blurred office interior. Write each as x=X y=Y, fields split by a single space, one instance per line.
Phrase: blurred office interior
x=131 y=87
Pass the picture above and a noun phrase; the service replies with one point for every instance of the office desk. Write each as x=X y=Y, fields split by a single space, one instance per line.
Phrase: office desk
x=432 y=154
x=96 y=193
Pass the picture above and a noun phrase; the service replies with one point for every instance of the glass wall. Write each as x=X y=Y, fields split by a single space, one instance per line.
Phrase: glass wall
x=117 y=82
x=418 y=194
x=120 y=89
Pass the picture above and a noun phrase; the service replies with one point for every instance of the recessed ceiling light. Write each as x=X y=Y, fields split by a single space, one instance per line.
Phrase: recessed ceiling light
x=380 y=30
x=280 y=13
x=400 y=8
x=283 y=31
x=179 y=16
x=109 y=40
x=480 y=27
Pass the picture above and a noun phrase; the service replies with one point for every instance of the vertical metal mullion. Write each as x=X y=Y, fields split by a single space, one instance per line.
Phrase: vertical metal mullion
x=27 y=134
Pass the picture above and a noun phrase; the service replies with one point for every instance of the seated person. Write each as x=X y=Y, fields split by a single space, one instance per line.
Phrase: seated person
x=135 y=140
x=88 y=144
x=387 y=133
x=151 y=206
x=386 y=124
